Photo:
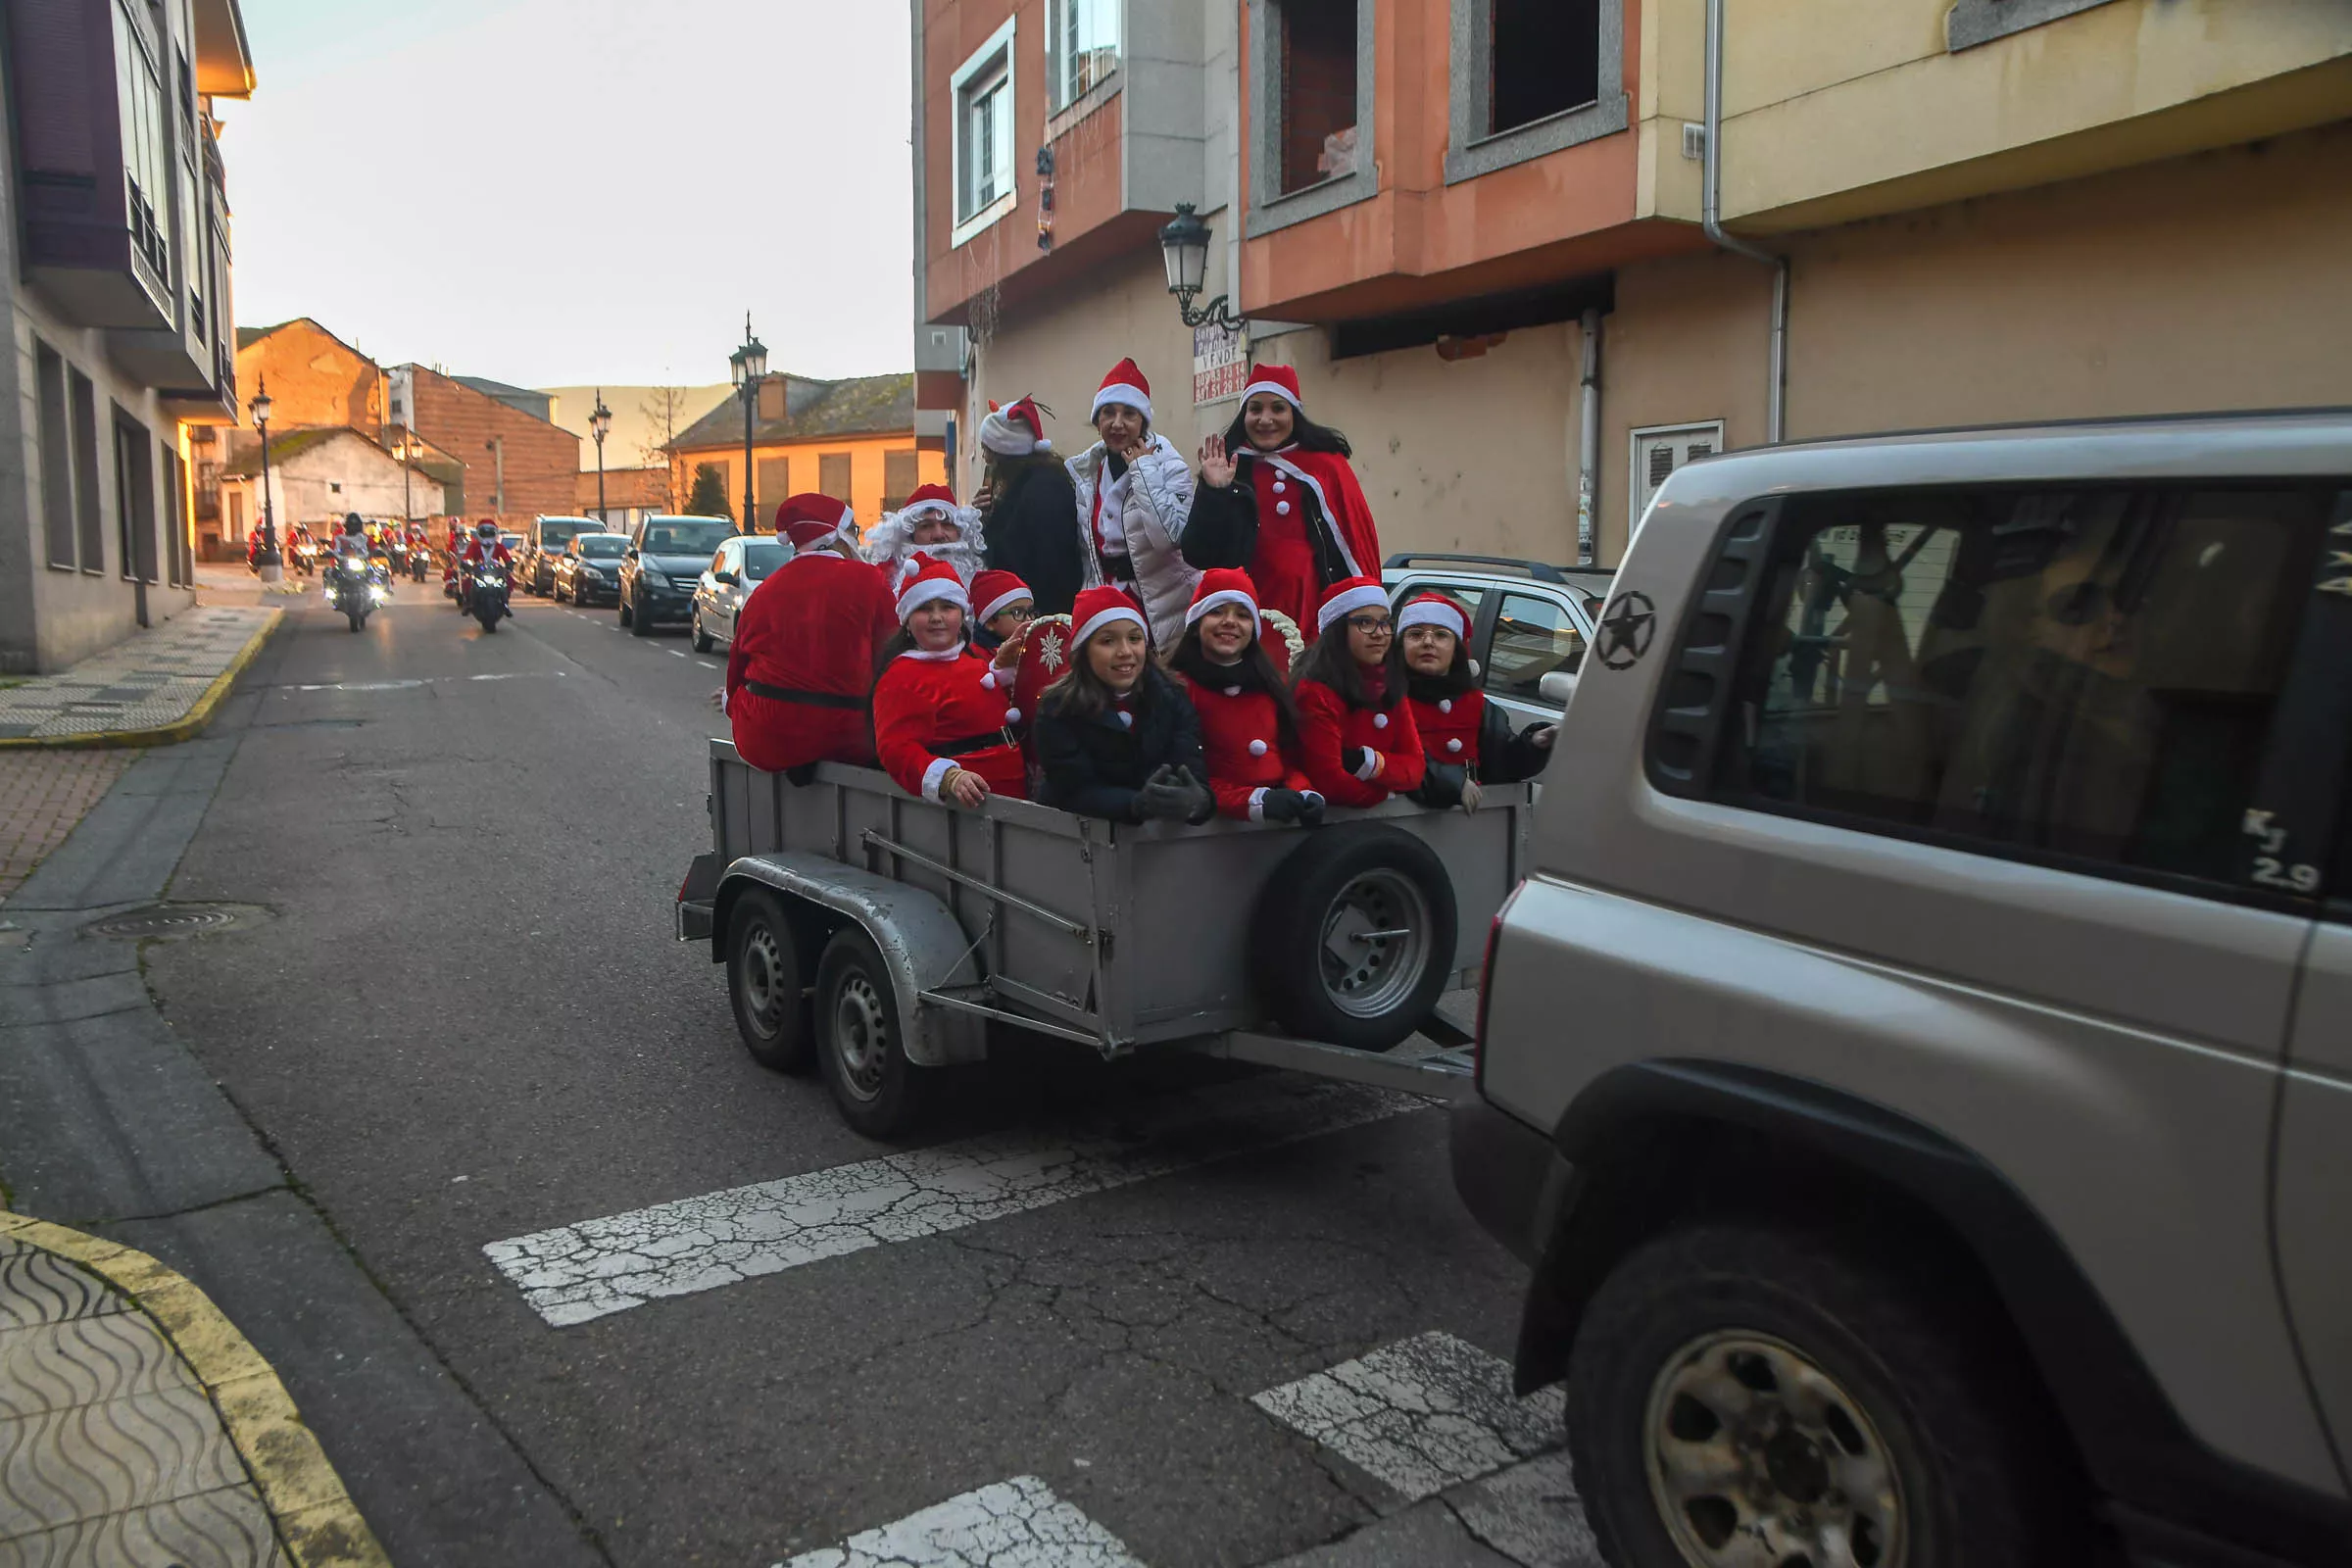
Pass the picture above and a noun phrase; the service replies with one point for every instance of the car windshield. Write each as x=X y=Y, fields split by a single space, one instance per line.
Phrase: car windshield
x=761 y=558
x=600 y=546
x=555 y=535
x=686 y=538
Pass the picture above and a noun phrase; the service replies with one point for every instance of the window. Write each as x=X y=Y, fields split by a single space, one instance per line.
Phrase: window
x=134 y=498
x=1532 y=76
x=900 y=477
x=57 y=457
x=1659 y=449
x=1082 y=36
x=1534 y=637
x=833 y=476
x=775 y=483
x=89 y=524
x=2086 y=674
x=982 y=88
x=178 y=570
x=139 y=100
x=1311 y=107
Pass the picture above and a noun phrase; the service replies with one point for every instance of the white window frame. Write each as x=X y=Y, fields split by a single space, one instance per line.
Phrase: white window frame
x=982 y=62
x=1058 y=65
x=1637 y=491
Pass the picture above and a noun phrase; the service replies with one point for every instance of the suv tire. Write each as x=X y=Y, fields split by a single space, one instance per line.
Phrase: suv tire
x=1323 y=982
x=636 y=619
x=1906 y=1398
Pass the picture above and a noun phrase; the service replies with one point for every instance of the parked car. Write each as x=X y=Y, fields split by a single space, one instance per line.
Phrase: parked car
x=738 y=568
x=659 y=569
x=1530 y=622
x=543 y=544
x=1919 y=1068
x=588 y=571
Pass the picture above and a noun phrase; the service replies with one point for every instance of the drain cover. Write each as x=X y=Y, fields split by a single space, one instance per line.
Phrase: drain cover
x=177 y=922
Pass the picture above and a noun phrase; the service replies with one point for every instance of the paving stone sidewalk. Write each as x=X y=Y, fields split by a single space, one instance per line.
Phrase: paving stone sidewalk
x=150 y=688
x=44 y=794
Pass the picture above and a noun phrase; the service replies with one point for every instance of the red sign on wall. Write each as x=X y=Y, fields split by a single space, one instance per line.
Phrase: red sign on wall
x=1220 y=367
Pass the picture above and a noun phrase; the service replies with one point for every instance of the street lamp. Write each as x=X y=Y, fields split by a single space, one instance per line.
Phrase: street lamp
x=1184 y=246
x=749 y=365
x=599 y=425
x=273 y=564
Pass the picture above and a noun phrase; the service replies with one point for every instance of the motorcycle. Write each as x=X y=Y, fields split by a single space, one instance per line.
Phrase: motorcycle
x=355 y=589
x=396 y=552
x=306 y=554
x=488 y=600
x=420 y=558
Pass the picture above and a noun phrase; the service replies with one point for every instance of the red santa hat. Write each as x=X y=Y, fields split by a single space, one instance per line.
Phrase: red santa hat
x=1434 y=610
x=1098 y=608
x=930 y=498
x=1279 y=380
x=996 y=591
x=1222 y=585
x=1347 y=596
x=936 y=579
x=810 y=520
x=1015 y=430
x=1124 y=384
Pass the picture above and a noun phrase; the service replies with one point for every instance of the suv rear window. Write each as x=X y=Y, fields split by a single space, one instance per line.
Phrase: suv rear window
x=2082 y=673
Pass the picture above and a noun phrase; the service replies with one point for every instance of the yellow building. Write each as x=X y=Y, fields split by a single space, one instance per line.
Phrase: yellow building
x=851 y=439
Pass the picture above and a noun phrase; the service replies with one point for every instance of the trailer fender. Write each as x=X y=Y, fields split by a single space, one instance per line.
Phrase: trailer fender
x=918 y=939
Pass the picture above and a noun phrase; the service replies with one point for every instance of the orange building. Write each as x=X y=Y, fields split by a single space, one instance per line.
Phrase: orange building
x=852 y=439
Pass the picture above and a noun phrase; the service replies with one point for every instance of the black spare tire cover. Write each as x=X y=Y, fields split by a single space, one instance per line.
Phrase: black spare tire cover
x=1353 y=939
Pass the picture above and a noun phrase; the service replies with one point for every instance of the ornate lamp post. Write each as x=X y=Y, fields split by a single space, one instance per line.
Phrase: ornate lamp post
x=1184 y=246
x=271 y=563
x=748 y=366
x=600 y=425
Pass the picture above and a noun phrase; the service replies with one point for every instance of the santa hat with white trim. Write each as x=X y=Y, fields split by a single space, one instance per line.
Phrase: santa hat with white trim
x=1015 y=430
x=931 y=498
x=1222 y=585
x=1124 y=384
x=935 y=581
x=810 y=520
x=1279 y=380
x=1098 y=608
x=996 y=591
x=1434 y=610
x=1347 y=596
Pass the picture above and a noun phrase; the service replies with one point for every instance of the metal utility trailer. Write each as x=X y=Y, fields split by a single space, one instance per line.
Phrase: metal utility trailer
x=870 y=934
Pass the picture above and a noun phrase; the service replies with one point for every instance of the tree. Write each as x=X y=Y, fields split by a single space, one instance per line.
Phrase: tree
x=663 y=409
x=709 y=496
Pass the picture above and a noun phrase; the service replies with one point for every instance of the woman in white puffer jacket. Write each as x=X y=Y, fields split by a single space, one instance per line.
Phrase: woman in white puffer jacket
x=1135 y=494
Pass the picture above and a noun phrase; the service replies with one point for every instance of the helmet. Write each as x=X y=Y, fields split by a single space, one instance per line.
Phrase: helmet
x=485 y=530
x=352 y=523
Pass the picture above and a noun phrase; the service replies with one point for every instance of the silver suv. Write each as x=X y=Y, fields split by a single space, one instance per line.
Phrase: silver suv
x=1919 y=1070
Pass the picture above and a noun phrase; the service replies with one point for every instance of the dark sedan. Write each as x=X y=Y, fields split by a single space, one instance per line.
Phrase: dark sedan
x=663 y=565
x=588 y=571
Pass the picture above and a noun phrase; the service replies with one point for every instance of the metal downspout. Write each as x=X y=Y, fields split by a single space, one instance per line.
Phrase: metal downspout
x=1710 y=217
x=1588 y=448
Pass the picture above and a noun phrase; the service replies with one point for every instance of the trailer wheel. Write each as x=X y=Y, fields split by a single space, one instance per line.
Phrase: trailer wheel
x=860 y=1046
x=1355 y=938
x=764 y=983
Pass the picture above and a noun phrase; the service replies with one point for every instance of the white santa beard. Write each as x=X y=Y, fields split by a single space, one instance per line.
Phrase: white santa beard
x=961 y=555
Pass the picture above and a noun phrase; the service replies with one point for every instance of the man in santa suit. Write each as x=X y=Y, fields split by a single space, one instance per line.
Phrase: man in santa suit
x=929 y=525
x=805 y=643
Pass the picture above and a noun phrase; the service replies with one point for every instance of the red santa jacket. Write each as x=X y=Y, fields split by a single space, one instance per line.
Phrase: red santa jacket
x=1241 y=742
x=803 y=662
x=1329 y=726
x=1449 y=726
x=933 y=711
x=1296 y=492
x=476 y=553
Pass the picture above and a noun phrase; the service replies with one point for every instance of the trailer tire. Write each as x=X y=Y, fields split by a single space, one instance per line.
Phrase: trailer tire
x=764 y=987
x=860 y=1045
x=1318 y=966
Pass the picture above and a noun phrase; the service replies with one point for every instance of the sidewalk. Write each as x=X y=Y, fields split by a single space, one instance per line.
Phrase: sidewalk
x=139 y=1430
x=151 y=688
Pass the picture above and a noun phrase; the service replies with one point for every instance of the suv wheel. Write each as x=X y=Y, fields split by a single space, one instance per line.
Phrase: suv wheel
x=638 y=621
x=1744 y=1397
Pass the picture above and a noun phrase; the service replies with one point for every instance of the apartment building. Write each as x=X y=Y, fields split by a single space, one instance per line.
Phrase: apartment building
x=853 y=439
x=121 y=337
x=515 y=463
x=1480 y=227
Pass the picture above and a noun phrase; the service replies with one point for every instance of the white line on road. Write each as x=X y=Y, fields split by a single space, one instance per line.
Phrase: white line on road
x=674 y=653
x=575 y=1273
x=705 y=664
x=1013 y=1524
x=1419 y=1415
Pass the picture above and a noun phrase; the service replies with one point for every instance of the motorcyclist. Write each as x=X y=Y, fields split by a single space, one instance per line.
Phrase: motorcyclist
x=485 y=548
x=350 y=553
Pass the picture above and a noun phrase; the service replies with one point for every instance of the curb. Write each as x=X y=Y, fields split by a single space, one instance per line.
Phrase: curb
x=171 y=734
x=315 y=1518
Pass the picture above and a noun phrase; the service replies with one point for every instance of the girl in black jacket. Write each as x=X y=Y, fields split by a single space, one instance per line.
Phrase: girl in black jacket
x=1028 y=503
x=1115 y=736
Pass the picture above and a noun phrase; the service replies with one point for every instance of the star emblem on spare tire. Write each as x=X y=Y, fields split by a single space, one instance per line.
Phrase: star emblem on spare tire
x=1049 y=651
x=1626 y=630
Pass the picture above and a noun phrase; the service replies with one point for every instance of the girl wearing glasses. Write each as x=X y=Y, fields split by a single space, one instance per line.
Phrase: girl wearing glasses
x=1357 y=741
x=1004 y=606
x=1468 y=738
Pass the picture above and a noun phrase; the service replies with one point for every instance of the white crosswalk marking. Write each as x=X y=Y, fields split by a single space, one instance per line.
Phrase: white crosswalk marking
x=578 y=1272
x=1419 y=1415
x=1013 y=1524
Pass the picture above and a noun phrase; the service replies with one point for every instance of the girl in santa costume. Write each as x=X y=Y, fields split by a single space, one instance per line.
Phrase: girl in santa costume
x=1467 y=739
x=929 y=525
x=1026 y=500
x=942 y=719
x=1134 y=495
x=806 y=640
x=1003 y=605
x=1249 y=723
x=1356 y=738
x=1115 y=735
x=1278 y=498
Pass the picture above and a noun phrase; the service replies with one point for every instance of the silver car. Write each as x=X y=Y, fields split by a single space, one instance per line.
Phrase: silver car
x=1919 y=1068
x=738 y=566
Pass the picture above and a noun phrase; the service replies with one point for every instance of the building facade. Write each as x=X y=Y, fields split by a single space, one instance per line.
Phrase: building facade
x=318 y=476
x=1478 y=228
x=852 y=439
x=115 y=238
x=515 y=466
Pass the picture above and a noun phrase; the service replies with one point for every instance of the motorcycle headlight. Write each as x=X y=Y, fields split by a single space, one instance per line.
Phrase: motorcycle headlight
x=380 y=592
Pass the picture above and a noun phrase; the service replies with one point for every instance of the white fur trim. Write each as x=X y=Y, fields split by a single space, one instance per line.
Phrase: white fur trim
x=1339 y=535
x=1108 y=618
x=934 y=775
x=1371 y=766
x=1258 y=803
x=1273 y=387
x=1002 y=602
x=1135 y=397
x=931 y=509
x=1367 y=597
x=1223 y=596
x=1425 y=615
x=1009 y=438
x=922 y=591
x=934 y=655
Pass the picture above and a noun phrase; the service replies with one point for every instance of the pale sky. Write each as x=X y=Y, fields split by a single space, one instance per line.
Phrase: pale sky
x=574 y=191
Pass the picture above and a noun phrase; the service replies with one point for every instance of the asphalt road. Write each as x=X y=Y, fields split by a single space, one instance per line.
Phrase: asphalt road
x=470 y=1023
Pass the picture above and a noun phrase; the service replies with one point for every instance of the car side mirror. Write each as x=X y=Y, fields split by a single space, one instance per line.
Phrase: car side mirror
x=725 y=577
x=1557 y=686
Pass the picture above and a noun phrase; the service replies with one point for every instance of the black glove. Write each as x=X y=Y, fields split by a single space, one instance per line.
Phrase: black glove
x=1311 y=810
x=1199 y=805
x=1281 y=806
x=1163 y=797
